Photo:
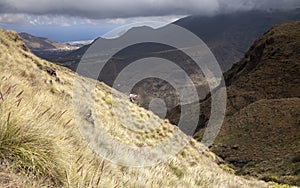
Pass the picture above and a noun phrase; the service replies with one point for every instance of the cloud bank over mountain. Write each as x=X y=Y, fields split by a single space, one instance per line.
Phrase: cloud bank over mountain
x=86 y=20
x=108 y=9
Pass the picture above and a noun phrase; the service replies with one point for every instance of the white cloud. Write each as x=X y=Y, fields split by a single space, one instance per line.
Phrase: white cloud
x=166 y=19
x=12 y=18
x=66 y=21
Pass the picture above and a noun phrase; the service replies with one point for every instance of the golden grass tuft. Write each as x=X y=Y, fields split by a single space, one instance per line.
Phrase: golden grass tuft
x=26 y=142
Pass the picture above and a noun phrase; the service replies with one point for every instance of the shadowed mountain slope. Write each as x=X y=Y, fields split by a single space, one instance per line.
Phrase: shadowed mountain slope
x=260 y=134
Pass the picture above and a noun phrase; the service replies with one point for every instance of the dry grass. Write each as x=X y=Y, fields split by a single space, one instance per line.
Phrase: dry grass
x=40 y=141
x=27 y=145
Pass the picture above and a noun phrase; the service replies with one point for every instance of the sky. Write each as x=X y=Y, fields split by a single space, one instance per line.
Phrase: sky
x=70 y=20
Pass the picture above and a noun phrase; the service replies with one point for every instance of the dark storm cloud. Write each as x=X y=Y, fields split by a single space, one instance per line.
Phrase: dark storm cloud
x=101 y=9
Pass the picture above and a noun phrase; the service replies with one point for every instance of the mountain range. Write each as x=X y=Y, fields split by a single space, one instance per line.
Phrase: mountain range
x=227 y=35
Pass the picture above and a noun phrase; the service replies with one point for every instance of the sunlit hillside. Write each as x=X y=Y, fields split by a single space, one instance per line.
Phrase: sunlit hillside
x=40 y=144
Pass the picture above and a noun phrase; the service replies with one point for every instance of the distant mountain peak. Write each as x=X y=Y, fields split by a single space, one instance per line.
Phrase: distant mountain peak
x=35 y=43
